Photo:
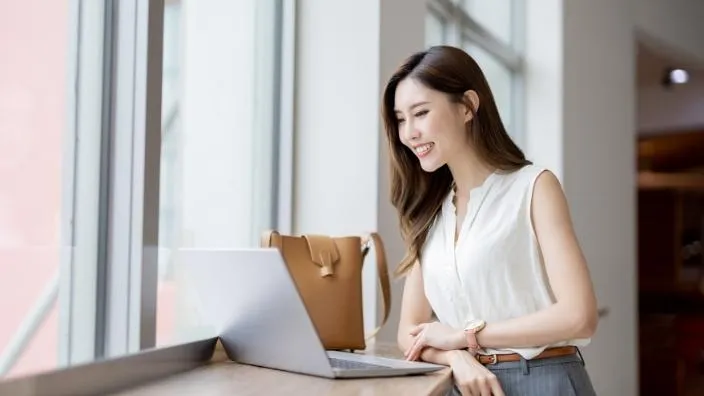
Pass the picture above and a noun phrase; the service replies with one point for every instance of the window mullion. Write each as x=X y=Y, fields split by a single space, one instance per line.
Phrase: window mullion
x=465 y=27
x=84 y=204
x=134 y=212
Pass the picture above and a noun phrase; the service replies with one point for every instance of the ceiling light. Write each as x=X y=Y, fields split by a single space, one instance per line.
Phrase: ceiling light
x=675 y=76
x=679 y=76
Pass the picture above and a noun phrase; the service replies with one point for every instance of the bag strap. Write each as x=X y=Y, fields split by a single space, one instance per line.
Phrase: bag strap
x=383 y=278
x=267 y=238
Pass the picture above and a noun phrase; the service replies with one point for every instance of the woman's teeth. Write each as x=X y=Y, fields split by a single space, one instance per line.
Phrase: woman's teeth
x=422 y=150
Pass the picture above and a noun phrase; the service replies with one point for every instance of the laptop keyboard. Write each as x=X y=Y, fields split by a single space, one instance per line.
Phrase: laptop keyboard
x=351 y=364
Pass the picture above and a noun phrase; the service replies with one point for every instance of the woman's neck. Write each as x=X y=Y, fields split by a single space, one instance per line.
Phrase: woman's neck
x=468 y=173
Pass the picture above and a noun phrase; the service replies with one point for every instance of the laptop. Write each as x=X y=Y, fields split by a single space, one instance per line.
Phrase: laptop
x=251 y=299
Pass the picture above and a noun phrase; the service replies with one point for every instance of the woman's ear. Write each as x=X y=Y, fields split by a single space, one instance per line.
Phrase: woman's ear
x=470 y=98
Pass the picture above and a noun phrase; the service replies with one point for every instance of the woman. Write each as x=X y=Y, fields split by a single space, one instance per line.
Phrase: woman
x=491 y=248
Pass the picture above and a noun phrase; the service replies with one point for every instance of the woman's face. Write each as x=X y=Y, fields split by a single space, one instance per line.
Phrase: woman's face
x=431 y=125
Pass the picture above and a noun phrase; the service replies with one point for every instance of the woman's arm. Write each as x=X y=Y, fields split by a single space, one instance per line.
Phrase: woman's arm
x=415 y=310
x=574 y=315
x=470 y=376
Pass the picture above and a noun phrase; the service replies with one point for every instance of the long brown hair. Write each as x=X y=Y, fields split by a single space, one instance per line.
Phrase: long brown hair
x=418 y=195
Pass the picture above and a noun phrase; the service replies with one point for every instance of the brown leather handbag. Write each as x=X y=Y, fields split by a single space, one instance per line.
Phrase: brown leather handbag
x=328 y=274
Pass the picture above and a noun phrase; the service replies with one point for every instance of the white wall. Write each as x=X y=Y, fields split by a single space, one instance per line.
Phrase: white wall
x=336 y=125
x=401 y=34
x=599 y=175
x=345 y=52
x=544 y=85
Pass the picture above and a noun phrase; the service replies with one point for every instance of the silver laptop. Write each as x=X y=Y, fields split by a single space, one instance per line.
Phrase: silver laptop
x=250 y=297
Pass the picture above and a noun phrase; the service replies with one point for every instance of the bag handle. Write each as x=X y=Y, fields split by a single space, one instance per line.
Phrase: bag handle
x=383 y=277
x=268 y=240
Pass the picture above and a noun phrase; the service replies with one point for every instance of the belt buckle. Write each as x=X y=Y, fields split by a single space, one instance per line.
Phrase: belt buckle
x=494 y=359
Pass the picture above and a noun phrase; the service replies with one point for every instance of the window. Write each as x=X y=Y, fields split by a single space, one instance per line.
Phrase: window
x=500 y=80
x=130 y=129
x=494 y=15
x=218 y=179
x=434 y=29
x=50 y=183
x=490 y=31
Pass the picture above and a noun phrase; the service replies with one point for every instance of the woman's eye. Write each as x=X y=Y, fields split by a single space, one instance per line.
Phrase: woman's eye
x=400 y=121
x=421 y=113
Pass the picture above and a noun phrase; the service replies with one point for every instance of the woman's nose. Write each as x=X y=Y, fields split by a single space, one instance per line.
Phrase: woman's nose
x=410 y=132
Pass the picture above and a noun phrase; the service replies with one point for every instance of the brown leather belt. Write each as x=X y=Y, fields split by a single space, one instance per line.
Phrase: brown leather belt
x=514 y=357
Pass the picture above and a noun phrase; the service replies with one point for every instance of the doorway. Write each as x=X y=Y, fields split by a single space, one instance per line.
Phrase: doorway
x=670 y=218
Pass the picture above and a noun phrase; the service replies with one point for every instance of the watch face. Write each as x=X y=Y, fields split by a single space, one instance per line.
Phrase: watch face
x=475 y=324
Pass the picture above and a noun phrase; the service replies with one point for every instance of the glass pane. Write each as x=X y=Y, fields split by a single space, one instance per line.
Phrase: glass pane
x=434 y=30
x=217 y=145
x=500 y=81
x=494 y=15
x=33 y=116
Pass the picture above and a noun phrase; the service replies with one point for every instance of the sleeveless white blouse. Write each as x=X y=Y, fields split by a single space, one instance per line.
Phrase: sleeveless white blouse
x=496 y=271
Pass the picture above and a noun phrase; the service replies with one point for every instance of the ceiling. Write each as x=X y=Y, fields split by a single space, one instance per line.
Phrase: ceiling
x=652 y=64
x=669 y=151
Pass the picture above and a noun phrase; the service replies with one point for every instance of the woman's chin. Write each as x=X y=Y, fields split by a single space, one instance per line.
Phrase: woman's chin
x=429 y=166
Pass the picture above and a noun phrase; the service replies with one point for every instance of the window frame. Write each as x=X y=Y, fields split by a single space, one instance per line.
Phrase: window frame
x=131 y=321
x=285 y=117
x=462 y=27
x=84 y=201
x=442 y=19
x=108 y=279
x=135 y=129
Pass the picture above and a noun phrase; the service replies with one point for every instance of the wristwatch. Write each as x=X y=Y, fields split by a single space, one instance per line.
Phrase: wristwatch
x=471 y=330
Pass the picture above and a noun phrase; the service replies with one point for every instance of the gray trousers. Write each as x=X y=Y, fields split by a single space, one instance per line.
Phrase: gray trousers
x=558 y=376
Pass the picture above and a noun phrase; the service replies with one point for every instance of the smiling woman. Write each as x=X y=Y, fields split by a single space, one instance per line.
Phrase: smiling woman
x=491 y=249
x=422 y=106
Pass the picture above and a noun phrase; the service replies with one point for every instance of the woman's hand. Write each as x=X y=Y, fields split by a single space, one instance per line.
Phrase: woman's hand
x=436 y=335
x=472 y=378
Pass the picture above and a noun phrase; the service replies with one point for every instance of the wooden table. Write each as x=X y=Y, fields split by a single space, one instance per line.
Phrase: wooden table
x=223 y=377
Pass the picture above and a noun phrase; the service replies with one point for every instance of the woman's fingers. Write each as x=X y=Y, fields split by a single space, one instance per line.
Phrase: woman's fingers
x=407 y=353
x=414 y=351
x=485 y=389
x=496 y=387
x=418 y=351
x=482 y=385
x=416 y=330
